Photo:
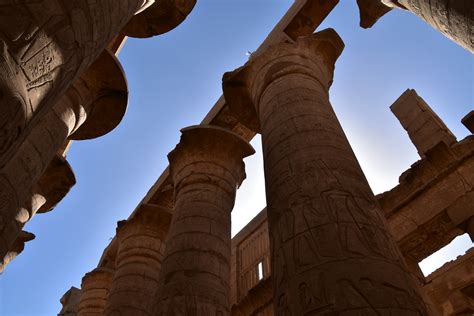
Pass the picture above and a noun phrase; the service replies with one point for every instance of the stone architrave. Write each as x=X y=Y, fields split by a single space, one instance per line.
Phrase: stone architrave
x=455 y=19
x=93 y=106
x=94 y=290
x=331 y=252
x=138 y=263
x=206 y=168
x=44 y=46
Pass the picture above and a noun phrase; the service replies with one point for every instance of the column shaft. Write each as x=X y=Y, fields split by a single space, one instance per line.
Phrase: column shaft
x=138 y=263
x=206 y=168
x=330 y=247
x=95 y=288
x=455 y=19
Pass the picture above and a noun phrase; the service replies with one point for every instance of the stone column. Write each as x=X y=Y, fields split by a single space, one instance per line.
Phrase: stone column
x=45 y=45
x=95 y=287
x=93 y=106
x=452 y=18
x=331 y=251
x=206 y=168
x=138 y=263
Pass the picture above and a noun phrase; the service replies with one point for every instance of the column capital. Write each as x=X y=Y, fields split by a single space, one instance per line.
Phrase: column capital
x=209 y=144
x=104 y=86
x=100 y=274
x=147 y=216
x=55 y=183
x=371 y=11
x=159 y=18
x=313 y=56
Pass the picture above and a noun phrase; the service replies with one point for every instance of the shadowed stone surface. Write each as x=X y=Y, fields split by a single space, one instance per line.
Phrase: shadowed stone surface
x=330 y=248
x=44 y=46
x=159 y=18
x=206 y=168
x=453 y=18
x=100 y=95
x=138 y=262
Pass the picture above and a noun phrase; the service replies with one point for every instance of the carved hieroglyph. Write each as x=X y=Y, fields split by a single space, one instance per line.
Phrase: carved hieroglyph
x=93 y=105
x=44 y=46
x=206 y=168
x=330 y=248
x=455 y=19
x=138 y=263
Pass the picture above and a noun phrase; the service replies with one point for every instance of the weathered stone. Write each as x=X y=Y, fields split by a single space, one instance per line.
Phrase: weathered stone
x=452 y=286
x=330 y=248
x=423 y=126
x=139 y=254
x=70 y=302
x=93 y=106
x=468 y=121
x=95 y=287
x=206 y=168
x=15 y=249
x=454 y=19
x=161 y=17
x=45 y=47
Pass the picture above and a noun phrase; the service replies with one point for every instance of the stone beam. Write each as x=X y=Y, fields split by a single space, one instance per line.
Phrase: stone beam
x=423 y=126
x=433 y=202
x=451 y=287
x=454 y=19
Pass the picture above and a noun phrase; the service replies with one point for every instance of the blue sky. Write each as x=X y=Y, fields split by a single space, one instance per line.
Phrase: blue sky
x=174 y=80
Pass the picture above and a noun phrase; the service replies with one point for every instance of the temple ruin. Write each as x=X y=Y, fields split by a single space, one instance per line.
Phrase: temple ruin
x=324 y=245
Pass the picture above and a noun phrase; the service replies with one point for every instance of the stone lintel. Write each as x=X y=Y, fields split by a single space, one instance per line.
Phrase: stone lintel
x=433 y=201
x=210 y=143
x=106 y=78
x=468 y=121
x=309 y=17
x=238 y=85
x=423 y=126
x=161 y=17
x=451 y=286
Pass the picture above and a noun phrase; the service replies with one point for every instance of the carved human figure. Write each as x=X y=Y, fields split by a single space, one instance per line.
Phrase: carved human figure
x=206 y=168
x=44 y=46
x=330 y=247
x=138 y=263
x=454 y=19
x=93 y=106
